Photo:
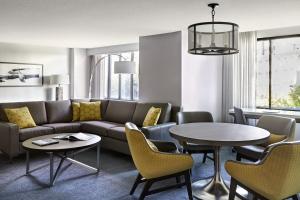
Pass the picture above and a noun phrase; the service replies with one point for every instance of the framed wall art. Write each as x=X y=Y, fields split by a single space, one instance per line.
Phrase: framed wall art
x=20 y=74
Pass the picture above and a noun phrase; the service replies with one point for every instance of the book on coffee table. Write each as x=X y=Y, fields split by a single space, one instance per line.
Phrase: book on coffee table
x=45 y=142
x=73 y=137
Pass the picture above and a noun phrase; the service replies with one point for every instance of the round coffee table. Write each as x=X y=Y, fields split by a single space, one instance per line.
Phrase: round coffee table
x=217 y=135
x=65 y=149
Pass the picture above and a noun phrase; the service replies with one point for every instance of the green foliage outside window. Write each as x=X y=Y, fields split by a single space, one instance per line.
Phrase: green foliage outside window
x=293 y=99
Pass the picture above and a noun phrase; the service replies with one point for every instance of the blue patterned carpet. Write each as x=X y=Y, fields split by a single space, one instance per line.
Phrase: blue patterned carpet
x=77 y=183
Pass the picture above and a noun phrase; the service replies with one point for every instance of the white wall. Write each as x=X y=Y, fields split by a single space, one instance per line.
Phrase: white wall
x=80 y=69
x=160 y=68
x=201 y=81
x=55 y=61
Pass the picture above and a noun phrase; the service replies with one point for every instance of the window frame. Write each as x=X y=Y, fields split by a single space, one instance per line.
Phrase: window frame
x=270 y=70
x=109 y=79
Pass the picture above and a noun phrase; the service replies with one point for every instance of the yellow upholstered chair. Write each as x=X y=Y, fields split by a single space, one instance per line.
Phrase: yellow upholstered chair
x=154 y=165
x=275 y=177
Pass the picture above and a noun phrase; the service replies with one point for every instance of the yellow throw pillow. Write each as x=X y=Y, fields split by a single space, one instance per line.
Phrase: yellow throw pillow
x=76 y=111
x=274 y=138
x=90 y=111
x=20 y=116
x=152 y=117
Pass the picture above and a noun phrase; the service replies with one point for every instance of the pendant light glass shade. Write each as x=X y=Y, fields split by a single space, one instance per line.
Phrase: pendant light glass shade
x=213 y=38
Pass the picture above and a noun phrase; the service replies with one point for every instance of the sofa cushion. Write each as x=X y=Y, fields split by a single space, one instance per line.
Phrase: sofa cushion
x=97 y=127
x=34 y=132
x=72 y=127
x=37 y=110
x=104 y=104
x=119 y=111
x=59 y=111
x=117 y=133
x=142 y=109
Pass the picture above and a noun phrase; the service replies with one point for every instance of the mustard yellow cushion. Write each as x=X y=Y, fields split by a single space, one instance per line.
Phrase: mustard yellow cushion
x=152 y=117
x=90 y=111
x=274 y=138
x=76 y=111
x=20 y=116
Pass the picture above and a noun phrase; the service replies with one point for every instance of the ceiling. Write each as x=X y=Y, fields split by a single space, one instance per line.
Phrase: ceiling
x=94 y=23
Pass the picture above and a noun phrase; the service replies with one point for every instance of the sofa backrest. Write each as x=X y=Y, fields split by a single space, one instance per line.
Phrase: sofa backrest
x=59 y=111
x=104 y=104
x=142 y=109
x=119 y=111
x=37 y=110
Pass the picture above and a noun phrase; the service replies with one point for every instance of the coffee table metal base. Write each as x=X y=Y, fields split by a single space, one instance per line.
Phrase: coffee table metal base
x=64 y=156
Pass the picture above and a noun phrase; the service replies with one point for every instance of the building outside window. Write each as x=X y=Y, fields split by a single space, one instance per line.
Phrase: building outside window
x=278 y=73
x=119 y=86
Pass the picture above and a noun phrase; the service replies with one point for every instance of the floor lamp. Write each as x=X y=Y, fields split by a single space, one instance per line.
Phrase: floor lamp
x=121 y=67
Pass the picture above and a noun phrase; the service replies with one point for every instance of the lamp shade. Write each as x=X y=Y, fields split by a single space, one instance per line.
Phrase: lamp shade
x=60 y=79
x=124 y=67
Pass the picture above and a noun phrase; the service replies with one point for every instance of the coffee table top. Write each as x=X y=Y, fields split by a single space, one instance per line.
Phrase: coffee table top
x=62 y=145
x=219 y=134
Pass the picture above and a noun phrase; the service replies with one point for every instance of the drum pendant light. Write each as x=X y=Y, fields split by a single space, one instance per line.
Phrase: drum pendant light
x=213 y=38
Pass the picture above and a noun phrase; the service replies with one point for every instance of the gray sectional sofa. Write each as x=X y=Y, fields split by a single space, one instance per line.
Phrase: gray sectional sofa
x=56 y=117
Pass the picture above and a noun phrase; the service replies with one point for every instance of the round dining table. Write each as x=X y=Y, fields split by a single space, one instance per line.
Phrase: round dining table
x=217 y=135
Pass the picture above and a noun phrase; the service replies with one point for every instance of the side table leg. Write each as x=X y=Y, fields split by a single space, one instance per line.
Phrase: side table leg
x=27 y=162
x=51 y=168
x=98 y=157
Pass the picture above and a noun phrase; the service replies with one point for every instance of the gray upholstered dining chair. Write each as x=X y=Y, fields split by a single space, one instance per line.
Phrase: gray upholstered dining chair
x=196 y=117
x=282 y=129
x=239 y=117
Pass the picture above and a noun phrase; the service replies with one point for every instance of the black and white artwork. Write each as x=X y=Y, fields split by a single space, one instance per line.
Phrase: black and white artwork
x=20 y=74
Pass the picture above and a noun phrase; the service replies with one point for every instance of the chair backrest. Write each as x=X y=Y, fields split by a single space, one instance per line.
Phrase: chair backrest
x=281 y=166
x=278 y=125
x=140 y=150
x=239 y=116
x=193 y=117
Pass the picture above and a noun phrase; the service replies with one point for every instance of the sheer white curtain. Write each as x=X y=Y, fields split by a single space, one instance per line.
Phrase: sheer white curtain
x=239 y=76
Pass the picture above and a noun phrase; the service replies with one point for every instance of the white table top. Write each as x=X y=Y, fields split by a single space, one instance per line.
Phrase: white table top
x=219 y=134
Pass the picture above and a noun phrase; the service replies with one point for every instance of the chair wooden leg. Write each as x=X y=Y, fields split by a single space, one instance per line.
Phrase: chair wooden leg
x=178 y=180
x=188 y=184
x=136 y=183
x=233 y=186
x=238 y=157
x=145 y=190
x=204 y=157
x=295 y=197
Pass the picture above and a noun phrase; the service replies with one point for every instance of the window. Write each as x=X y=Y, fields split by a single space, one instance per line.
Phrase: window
x=118 y=86
x=278 y=63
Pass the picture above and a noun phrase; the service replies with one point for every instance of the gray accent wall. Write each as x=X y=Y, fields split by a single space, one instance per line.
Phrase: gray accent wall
x=160 y=68
x=169 y=74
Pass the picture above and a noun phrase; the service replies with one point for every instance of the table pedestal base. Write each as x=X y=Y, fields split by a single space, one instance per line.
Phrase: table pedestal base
x=214 y=188
x=210 y=189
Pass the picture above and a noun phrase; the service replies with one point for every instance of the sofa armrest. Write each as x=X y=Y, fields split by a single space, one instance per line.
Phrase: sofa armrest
x=159 y=132
x=9 y=139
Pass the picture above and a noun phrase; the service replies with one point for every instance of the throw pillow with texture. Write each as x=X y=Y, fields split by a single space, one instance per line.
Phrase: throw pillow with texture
x=152 y=117
x=20 y=116
x=90 y=111
x=76 y=111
